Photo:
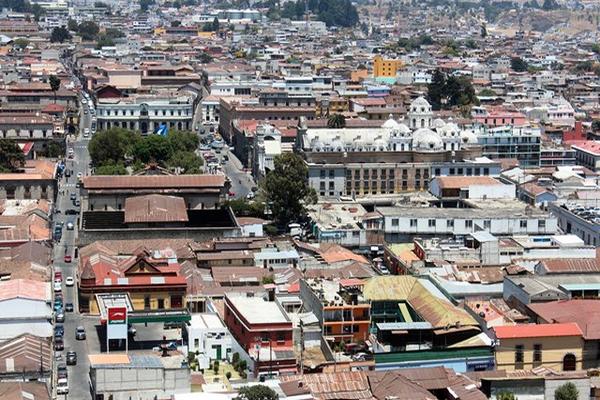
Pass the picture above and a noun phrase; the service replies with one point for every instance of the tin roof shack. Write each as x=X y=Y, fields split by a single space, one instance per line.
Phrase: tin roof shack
x=142 y=375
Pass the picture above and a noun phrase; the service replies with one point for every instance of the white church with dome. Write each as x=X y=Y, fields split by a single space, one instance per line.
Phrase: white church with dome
x=418 y=132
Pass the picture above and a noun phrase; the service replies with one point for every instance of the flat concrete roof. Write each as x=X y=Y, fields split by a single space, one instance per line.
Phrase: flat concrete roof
x=256 y=310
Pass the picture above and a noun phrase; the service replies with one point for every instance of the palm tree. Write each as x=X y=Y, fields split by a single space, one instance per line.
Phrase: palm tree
x=336 y=121
x=54 y=84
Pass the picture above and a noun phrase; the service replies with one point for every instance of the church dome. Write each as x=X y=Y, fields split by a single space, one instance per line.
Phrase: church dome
x=468 y=137
x=427 y=140
x=438 y=123
x=390 y=123
x=420 y=105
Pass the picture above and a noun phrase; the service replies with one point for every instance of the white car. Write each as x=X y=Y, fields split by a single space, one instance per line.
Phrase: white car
x=79 y=175
x=83 y=101
x=62 y=386
x=57 y=287
x=69 y=281
x=70 y=226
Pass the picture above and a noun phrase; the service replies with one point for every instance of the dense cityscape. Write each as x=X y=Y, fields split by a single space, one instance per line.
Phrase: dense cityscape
x=300 y=199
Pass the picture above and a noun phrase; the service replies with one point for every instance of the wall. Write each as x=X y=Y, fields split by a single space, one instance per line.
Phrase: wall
x=553 y=351
x=583 y=387
x=87 y=237
x=570 y=223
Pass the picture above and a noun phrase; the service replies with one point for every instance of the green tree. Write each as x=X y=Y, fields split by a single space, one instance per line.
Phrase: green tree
x=205 y=58
x=145 y=4
x=183 y=140
x=215 y=25
x=20 y=43
x=257 y=392
x=186 y=160
x=152 y=148
x=487 y=93
x=245 y=208
x=550 y=5
x=596 y=125
x=336 y=121
x=596 y=48
x=72 y=25
x=111 y=169
x=100 y=4
x=517 y=64
x=54 y=82
x=104 y=41
x=54 y=150
x=111 y=146
x=88 y=30
x=436 y=89
x=11 y=156
x=568 y=391
x=59 y=35
x=286 y=188
x=505 y=395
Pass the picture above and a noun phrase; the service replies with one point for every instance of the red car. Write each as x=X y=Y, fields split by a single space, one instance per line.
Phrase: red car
x=68 y=258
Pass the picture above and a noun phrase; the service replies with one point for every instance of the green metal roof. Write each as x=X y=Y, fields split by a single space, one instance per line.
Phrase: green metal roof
x=579 y=286
x=428 y=355
x=137 y=317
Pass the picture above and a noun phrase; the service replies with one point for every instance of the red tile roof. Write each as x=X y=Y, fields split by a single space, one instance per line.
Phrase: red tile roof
x=585 y=313
x=569 y=266
x=537 y=330
x=153 y=181
x=589 y=146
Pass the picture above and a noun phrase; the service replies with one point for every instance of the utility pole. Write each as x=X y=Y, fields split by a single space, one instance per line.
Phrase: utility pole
x=301 y=348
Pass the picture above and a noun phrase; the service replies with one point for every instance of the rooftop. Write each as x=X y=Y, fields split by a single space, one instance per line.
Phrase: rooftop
x=257 y=310
x=537 y=330
x=97 y=182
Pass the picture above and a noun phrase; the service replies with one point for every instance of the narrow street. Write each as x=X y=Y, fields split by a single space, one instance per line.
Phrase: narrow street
x=78 y=374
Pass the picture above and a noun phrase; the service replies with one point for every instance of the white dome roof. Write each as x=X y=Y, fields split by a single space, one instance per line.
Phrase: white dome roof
x=438 y=123
x=468 y=137
x=390 y=123
x=426 y=139
x=420 y=101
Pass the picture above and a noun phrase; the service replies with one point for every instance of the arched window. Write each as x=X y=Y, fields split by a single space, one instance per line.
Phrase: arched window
x=422 y=123
x=569 y=362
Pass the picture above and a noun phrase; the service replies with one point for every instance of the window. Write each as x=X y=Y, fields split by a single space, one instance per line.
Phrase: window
x=331 y=174
x=395 y=221
x=322 y=173
x=468 y=224
x=541 y=224
x=413 y=223
x=431 y=223
x=450 y=224
x=523 y=223
x=519 y=356
x=537 y=355
x=487 y=224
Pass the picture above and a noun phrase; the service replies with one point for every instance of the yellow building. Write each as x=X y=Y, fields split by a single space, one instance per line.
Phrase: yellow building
x=555 y=346
x=383 y=68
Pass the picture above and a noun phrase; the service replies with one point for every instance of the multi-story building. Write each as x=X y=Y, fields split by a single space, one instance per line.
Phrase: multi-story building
x=587 y=154
x=522 y=143
x=151 y=283
x=264 y=332
x=557 y=346
x=208 y=337
x=579 y=219
x=146 y=114
x=343 y=313
x=499 y=217
x=384 y=68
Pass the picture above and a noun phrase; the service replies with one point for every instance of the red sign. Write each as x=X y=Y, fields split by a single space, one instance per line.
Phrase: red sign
x=117 y=315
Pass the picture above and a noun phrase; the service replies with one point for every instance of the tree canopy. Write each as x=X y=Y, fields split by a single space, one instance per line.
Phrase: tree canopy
x=336 y=121
x=257 y=392
x=110 y=149
x=88 y=30
x=11 y=156
x=60 y=34
x=568 y=391
x=286 y=188
x=517 y=64
x=333 y=12
x=450 y=91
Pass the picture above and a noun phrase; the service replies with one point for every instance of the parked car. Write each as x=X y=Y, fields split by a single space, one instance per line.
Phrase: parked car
x=59 y=329
x=69 y=281
x=61 y=371
x=57 y=287
x=70 y=226
x=73 y=196
x=59 y=345
x=80 y=333
x=60 y=317
x=68 y=258
x=62 y=386
x=71 y=211
x=71 y=358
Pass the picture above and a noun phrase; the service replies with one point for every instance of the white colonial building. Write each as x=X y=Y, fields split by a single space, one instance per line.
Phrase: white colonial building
x=146 y=114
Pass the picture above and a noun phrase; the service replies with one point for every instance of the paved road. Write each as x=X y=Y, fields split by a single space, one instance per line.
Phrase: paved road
x=241 y=181
x=78 y=374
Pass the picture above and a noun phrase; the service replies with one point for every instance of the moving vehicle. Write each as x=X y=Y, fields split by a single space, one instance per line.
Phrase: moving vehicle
x=69 y=307
x=58 y=276
x=71 y=211
x=70 y=226
x=69 y=281
x=80 y=333
x=73 y=196
x=71 y=358
x=68 y=258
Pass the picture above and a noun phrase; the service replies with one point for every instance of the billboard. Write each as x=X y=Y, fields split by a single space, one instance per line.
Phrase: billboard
x=116 y=323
